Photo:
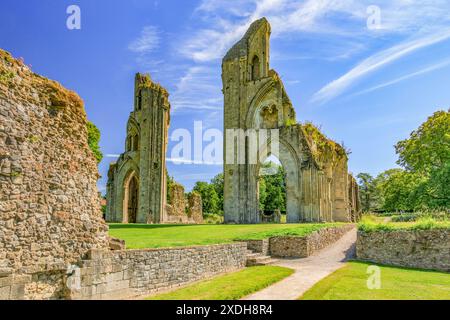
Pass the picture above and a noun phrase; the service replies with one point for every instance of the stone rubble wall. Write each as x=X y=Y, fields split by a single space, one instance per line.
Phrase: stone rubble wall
x=126 y=274
x=129 y=273
x=303 y=247
x=50 y=213
x=424 y=249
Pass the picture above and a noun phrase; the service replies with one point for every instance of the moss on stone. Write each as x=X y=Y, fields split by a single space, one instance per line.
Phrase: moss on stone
x=323 y=149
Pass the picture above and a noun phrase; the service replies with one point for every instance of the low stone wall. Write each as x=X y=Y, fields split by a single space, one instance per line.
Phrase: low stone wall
x=302 y=247
x=424 y=249
x=126 y=273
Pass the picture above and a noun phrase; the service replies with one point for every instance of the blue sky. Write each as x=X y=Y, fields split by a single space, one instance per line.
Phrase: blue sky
x=366 y=87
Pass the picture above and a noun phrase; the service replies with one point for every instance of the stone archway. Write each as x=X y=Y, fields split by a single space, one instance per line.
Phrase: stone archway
x=290 y=164
x=257 y=106
x=131 y=199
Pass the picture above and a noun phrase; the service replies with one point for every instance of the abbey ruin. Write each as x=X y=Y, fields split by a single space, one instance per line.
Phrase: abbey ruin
x=318 y=185
x=54 y=243
x=136 y=190
x=137 y=182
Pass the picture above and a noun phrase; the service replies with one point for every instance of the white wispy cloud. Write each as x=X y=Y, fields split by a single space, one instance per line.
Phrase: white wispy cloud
x=218 y=24
x=199 y=88
x=429 y=69
x=375 y=62
x=224 y=24
x=147 y=42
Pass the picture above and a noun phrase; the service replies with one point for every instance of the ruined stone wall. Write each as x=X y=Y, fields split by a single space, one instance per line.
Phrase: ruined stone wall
x=302 y=247
x=354 y=200
x=128 y=273
x=178 y=200
x=181 y=209
x=50 y=212
x=255 y=99
x=195 y=207
x=425 y=249
x=144 y=158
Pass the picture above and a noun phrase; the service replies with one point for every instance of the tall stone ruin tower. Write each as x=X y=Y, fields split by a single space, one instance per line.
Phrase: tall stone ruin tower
x=255 y=99
x=136 y=189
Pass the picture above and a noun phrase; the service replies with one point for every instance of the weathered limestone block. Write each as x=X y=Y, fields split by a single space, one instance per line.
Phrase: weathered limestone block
x=116 y=244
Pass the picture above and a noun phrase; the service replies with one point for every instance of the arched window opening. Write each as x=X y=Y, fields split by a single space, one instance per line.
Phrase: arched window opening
x=255 y=68
x=136 y=143
x=139 y=100
x=129 y=144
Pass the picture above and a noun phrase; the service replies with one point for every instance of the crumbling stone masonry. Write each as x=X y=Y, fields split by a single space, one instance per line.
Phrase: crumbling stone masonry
x=136 y=189
x=423 y=249
x=182 y=209
x=195 y=207
x=50 y=214
x=317 y=180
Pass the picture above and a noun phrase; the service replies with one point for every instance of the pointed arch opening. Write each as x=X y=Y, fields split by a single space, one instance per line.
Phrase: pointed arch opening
x=256 y=68
x=139 y=100
x=272 y=191
x=131 y=198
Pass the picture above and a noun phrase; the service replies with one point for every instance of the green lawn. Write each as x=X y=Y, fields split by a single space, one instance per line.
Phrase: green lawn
x=232 y=286
x=372 y=223
x=139 y=236
x=350 y=283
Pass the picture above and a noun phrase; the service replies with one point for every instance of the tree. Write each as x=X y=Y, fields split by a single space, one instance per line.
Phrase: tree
x=427 y=153
x=399 y=190
x=428 y=148
x=272 y=189
x=170 y=182
x=367 y=189
x=218 y=184
x=262 y=194
x=210 y=199
x=94 y=140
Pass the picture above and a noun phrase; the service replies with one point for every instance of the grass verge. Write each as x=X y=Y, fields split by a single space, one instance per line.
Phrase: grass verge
x=232 y=286
x=350 y=283
x=371 y=224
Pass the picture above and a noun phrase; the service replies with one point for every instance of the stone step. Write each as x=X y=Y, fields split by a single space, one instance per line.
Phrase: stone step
x=260 y=260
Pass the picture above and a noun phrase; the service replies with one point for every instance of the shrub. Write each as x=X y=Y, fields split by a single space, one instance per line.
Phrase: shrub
x=212 y=219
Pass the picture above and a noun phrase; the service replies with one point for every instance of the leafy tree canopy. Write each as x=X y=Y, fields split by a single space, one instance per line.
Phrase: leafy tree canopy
x=94 y=140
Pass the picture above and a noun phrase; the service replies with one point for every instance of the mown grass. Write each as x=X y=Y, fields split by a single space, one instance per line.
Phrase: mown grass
x=139 y=236
x=350 y=283
x=232 y=286
x=370 y=223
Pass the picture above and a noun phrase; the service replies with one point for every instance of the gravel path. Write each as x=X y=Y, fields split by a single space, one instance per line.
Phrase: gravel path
x=309 y=271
